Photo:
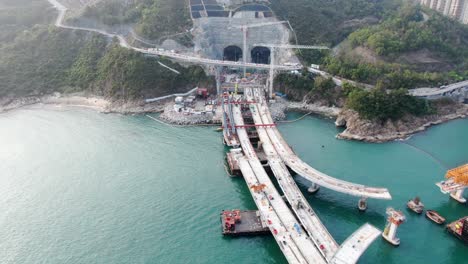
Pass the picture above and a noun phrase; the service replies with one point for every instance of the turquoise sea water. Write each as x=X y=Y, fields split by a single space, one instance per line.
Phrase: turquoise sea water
x=77 y=186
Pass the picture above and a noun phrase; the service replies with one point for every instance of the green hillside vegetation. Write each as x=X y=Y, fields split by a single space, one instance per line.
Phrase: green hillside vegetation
x=43 y=61
x=329 y=22
x=406 y=31
x=19 y=15
x=152 y=19
x=296 y=86
x=37 y=58
x=381 y=106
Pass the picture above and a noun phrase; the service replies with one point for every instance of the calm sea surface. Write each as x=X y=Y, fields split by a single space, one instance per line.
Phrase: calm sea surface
x=77 y=186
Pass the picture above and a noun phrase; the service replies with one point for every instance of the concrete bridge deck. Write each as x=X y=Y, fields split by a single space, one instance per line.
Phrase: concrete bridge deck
x=306 y=215
x=315 y=246
x=353 y=247
x=306 y=171
x=293 y=241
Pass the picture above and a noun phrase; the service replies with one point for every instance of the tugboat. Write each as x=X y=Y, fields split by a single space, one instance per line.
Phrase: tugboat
x=435 y=217
x=416 y=205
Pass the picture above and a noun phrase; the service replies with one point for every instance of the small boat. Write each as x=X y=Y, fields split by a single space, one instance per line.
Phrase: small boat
x=219 y=129
x=416 y=205
x=435 y=217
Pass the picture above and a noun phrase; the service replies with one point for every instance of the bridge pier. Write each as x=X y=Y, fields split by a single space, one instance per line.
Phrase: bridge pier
x=313 y=188
x=362 y=204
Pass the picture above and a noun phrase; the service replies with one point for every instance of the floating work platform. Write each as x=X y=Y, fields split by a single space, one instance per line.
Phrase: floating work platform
x=459 y=229
x=242 y=223
x=233 y=165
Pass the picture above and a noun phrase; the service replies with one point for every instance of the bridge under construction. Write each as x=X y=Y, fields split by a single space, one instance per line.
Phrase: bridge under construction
x=297 y=229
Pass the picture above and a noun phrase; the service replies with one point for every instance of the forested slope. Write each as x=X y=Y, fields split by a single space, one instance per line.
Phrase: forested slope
x=406 y=50
x=37 y=58
x=152 y=19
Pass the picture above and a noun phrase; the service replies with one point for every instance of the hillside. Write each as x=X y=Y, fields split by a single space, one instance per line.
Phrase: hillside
x=150 y=19
x=329 y=22
x=410 y=48
x=36 y=58
x=19 y=15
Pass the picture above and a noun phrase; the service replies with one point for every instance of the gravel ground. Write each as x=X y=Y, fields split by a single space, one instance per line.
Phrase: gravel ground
x=174 y=117
x=278 y=109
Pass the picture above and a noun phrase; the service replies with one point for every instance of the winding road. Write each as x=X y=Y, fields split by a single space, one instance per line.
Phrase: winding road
x=59 y=22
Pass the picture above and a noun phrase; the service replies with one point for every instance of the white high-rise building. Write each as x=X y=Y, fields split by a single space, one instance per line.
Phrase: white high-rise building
x=441 y=5
x=457 y=9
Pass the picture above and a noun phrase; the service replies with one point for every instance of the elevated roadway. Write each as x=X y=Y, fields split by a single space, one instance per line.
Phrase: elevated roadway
x=306 y=171
x=320 y=240
x=306 y=215
x=298 y=246
x=353 y=247
x=438 y=92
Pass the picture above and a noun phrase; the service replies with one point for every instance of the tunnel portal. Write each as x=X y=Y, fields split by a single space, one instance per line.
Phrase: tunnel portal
x=261 y=55
x=232 y=53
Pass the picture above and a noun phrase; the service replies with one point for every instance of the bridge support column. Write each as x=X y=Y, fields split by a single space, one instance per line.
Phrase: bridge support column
x=313 y=188
x=458 y=196
x=362 y=204
x=395 y=219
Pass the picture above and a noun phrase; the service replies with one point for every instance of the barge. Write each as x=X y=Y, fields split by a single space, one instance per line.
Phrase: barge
x=243 y=223
x=459 y=229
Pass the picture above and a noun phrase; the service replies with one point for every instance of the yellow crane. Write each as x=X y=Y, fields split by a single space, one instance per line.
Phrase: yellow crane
x=459 y=174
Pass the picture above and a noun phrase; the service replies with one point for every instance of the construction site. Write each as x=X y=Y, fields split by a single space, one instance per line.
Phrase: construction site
x=244 y=46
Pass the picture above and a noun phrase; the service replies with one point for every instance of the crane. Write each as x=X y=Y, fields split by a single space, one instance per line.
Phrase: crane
x=273 y=48
x=245 y=28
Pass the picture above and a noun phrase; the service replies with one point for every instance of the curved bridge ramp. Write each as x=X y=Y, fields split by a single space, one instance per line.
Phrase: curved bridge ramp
x=302 y=168
x=318 y=246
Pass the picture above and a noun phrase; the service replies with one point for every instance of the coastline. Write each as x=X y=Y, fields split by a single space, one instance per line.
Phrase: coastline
x=356 y=128
x=96 y=103
x=367 y=131
x=326 y=111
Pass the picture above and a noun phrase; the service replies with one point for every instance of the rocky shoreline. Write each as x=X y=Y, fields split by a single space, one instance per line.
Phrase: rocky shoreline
x=371 y=131
x=356 y=128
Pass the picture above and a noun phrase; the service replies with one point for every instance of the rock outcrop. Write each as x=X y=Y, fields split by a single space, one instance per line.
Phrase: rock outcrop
x=358 y=128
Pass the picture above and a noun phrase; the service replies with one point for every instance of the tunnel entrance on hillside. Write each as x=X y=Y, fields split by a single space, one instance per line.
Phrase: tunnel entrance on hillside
x=261 y=55
x=232 y=53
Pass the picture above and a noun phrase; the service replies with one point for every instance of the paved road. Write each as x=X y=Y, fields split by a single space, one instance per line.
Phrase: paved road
x=428 y=92
x=173 y=55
